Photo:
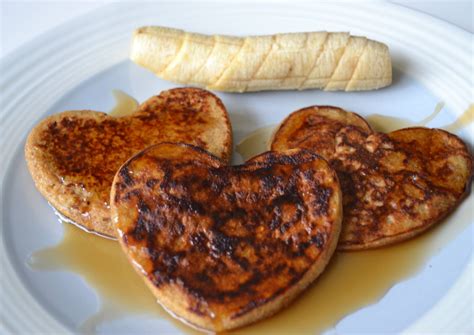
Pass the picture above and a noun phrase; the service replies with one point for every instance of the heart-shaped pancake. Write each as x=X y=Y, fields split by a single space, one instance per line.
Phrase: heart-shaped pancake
x=223 y=246
x=394 y=185
x=73 y=156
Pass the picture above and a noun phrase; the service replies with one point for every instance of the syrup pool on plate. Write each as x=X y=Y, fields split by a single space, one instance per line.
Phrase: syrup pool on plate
x=124 y=104
x=104 y=267
x=351 y=281
x=256 y=142
x=387 y=124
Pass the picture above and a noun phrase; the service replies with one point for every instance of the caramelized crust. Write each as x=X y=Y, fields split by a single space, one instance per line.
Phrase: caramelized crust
x=394 y=185
x=223 y=246
x=73 y=156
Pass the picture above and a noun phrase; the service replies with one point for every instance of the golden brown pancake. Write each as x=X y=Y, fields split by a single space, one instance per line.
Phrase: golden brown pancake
x=394 y=185
x=223 y=246
x=73 y=156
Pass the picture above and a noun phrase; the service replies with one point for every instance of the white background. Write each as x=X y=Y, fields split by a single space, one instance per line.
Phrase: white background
x=22 y=21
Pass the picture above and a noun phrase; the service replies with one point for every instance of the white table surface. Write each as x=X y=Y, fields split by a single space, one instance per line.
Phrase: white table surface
x=22 y=21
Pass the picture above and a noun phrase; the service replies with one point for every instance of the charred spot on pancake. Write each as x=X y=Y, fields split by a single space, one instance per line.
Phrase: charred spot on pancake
x=125 y=174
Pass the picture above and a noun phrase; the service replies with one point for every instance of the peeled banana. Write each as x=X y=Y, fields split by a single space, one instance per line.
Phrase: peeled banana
x=324 y=60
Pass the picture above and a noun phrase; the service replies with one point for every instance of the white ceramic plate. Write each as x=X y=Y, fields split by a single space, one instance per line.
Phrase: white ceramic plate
x=77 y=65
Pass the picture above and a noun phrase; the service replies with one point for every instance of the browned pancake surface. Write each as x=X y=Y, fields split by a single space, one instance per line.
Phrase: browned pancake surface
x=298 y=129
x=73 y=156
x=394 y=185
x=223 y=246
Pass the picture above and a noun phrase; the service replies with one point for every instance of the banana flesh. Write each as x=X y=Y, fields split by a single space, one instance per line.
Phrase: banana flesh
x=323 y=60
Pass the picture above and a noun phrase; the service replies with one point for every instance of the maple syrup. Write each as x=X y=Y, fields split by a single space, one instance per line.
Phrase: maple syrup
x=103 y=266
x=351 y=281
x=463 y=120
x=124 y=104
x=256 y=142
x=386 y=124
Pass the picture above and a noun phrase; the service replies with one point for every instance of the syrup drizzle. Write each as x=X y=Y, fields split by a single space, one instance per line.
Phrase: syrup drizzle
x=256 y=142
x=463 y=120
x=386 y=124
x=124 y=104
